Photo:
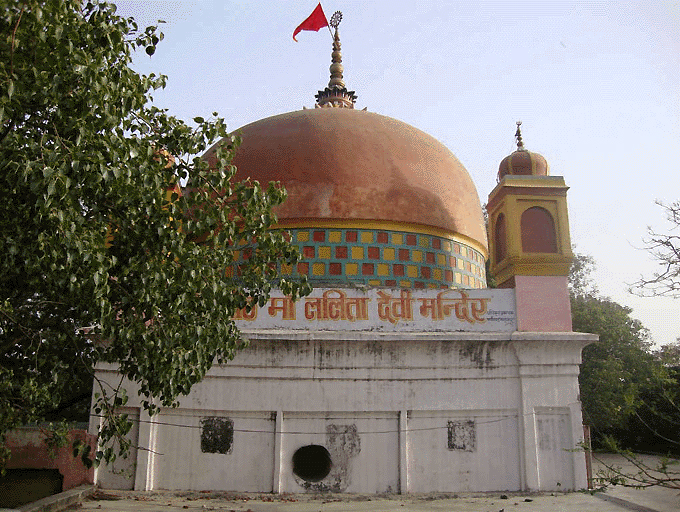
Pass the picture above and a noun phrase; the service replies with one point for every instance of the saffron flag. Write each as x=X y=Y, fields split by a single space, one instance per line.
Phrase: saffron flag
x=316 y=21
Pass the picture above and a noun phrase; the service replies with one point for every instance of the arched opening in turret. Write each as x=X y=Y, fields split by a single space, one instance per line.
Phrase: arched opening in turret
x=500 y=239
x=538 y=231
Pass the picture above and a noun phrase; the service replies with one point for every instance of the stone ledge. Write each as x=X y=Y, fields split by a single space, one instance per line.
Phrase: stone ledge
x=59 y=501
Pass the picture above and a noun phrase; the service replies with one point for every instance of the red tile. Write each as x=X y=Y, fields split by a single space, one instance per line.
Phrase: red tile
x=341 y=252
x=425 y=272
x=466 y=280
x=382 y=237
x=429 y=257
x=448 y=276
x=374 y=253
x=404 y=255
x=397 y=269
x=319 y=236
x=419 y=284
x=411 y=240
x=436 y=243
x=335 y=269
x=367 y=269
x=456 y=248
x=351 y=236
x=309 y=251
x=303 y=268
x=390 y=282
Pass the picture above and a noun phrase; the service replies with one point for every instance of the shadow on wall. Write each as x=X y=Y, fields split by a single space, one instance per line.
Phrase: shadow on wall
x=34 y=473
x=21 y=486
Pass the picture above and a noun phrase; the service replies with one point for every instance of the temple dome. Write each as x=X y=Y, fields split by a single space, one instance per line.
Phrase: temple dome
x=351 y=164
x=523 y=163
x=371 y=200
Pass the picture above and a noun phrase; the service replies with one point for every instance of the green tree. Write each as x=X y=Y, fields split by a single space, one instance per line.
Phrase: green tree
x=99 y=260
x=669 y=354
x=581 y=284
x=630 y=395
x=616 y=367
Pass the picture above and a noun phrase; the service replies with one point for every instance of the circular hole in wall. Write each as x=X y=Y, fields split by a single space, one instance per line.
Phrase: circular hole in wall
x=312 y=463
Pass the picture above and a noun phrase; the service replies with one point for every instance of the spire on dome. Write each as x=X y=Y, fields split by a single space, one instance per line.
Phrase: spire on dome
x=523 y=162
x=336 y=94
x=518 y=137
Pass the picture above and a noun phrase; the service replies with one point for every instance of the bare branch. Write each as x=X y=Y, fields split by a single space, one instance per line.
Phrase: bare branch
x=665 y=248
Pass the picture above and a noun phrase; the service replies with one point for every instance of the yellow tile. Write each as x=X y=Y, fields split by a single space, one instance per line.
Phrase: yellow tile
x=324 y=252
x=351 y=269
x=237 y=255
x=446 y=245
x=412 y=270
x=397 y=239
x=432 y=285
x=318 y=269
x=388 y=253
x=405 y=284
x=335 y=237
x=286 y=269
x=229 y=272
x=366 y=237
x=424 y=241
x=303 y=236
x=441 y=259
x=374 y=282
x=383 y=269
x=417 y=256
x=437 y=274
x=457 y=278
x=461 y=264
x=357 y=253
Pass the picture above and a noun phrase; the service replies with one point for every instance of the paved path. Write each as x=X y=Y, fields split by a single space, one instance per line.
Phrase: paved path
x=615 y=499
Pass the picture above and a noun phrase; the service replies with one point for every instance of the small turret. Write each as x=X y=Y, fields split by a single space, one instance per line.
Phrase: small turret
x=529 y=242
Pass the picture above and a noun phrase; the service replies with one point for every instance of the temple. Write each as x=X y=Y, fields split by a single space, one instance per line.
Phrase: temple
x=403 y=371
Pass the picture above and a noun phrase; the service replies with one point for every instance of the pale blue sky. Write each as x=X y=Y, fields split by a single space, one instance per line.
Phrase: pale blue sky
x=595 y=83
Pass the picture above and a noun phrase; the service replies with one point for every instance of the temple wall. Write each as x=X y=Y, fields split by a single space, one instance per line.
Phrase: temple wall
x=393 y=411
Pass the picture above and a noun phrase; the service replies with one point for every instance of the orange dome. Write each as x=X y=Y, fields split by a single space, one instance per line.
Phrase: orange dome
x=523 y=163
x=344 y=164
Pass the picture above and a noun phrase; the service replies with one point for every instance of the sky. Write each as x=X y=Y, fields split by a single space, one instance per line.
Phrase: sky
x=596 y=85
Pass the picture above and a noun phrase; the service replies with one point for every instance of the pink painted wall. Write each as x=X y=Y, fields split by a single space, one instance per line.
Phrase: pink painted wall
x=543 y=304
x=29 y=451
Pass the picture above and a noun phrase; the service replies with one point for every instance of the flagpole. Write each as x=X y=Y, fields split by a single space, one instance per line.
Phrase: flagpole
x=329 y=26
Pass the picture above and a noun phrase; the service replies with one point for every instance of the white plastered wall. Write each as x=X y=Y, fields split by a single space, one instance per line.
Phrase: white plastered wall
x=398 y=412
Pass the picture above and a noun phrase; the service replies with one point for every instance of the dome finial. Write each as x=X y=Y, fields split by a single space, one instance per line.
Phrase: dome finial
x=518 y=137
x=336 y=68
x=522 y=162
x=336 y=94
